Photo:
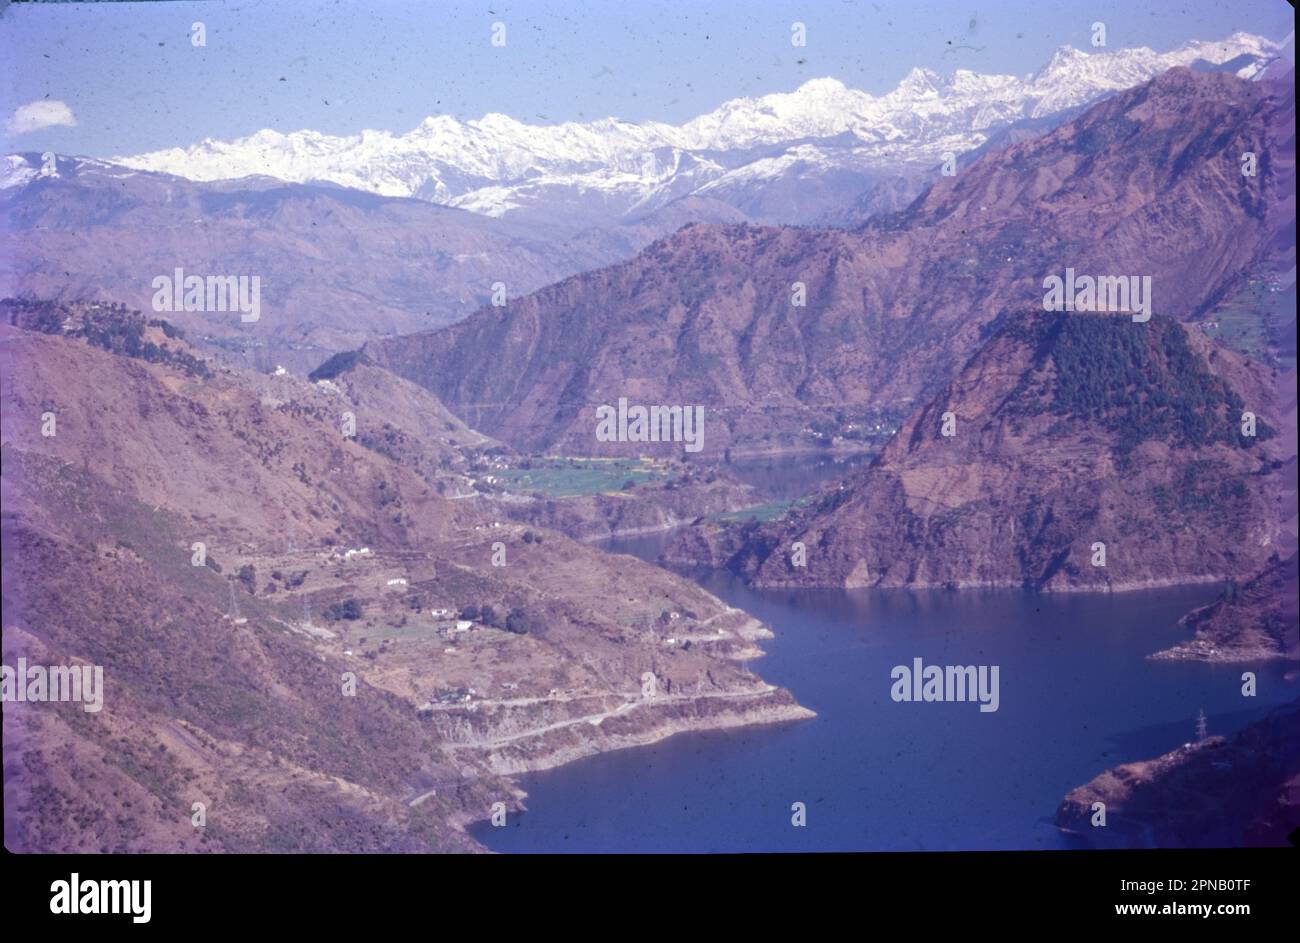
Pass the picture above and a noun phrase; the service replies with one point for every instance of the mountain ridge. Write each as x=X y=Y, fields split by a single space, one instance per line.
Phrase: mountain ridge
x=711 y=314
x=1073 y=452
x=496 y=165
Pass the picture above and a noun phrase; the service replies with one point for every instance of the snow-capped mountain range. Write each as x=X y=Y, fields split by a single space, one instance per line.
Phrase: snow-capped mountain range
x=498 y=165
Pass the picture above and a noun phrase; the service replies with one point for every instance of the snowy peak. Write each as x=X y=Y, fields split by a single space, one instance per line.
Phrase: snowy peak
x=498 y=164
x=1065 y=58
x=921 y=83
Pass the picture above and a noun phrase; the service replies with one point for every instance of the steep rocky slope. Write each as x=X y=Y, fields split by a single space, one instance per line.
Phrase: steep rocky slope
x=1213 y=793
x=1068 y=432
x=1257 y=621
x=226 y=666
x=1145 y=183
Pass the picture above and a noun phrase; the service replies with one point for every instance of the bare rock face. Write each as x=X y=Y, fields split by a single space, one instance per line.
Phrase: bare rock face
x=1257 y=621
x=1147 y=182
x=1074 y=452
x=1213 y=793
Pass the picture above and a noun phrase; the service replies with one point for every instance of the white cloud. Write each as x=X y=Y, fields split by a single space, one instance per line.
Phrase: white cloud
x=40 y=114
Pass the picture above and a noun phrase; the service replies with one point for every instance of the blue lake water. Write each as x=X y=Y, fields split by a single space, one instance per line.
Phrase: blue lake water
x=1077 y=696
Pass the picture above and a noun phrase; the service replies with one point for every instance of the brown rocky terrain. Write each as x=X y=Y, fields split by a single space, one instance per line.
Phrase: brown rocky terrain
x=1069 y=431
x=1147 y=182
x=1257 y=621
x=400 y=420
x=224 y=676
x=410 y=425
x=1213 y=793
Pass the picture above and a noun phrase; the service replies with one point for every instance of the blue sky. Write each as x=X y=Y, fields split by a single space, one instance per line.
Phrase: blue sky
x=134 y=82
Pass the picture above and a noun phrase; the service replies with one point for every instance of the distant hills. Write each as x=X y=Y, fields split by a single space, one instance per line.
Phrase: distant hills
x=1147 y=182
x=378 y=235
x=337 y=267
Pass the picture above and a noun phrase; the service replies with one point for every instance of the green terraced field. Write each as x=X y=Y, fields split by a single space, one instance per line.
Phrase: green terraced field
x=573 y=477
x=768 y=511
x=1259 y=322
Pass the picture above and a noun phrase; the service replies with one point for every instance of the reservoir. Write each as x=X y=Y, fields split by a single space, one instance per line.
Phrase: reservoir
x=1077 y=696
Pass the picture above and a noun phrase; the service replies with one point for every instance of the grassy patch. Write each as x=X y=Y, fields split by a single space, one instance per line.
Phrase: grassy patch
x=768 y=511
x=573 y=477
x=417 y=629
x=1259 y=321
